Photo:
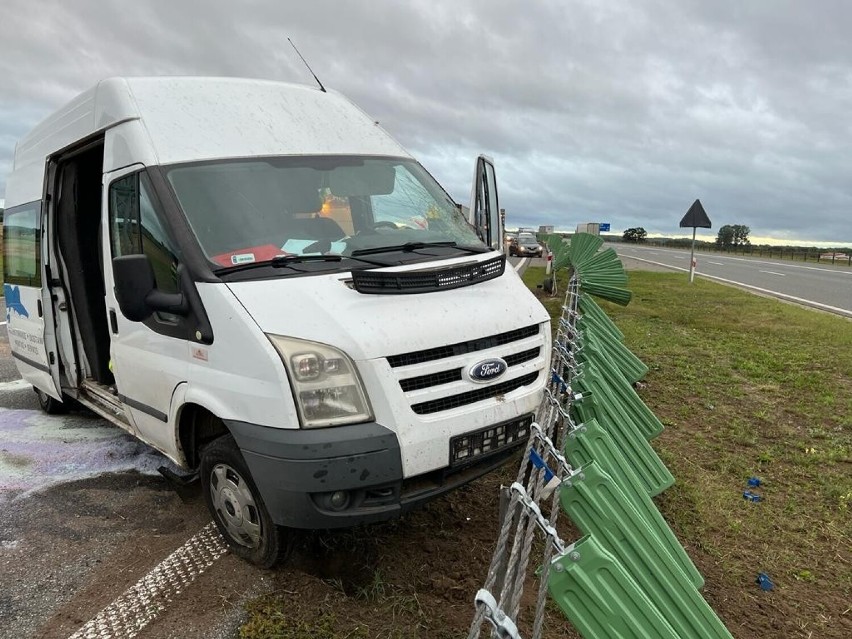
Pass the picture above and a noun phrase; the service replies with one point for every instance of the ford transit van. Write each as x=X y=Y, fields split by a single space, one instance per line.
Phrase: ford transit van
x=255 y=279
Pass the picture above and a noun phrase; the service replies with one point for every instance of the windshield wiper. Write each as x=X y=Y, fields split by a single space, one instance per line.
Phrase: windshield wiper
x=281 y=261
x=409 y=247
x=285 y=261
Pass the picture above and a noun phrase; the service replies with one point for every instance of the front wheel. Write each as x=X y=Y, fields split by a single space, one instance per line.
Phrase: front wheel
x=237 y=507
x=50 y=405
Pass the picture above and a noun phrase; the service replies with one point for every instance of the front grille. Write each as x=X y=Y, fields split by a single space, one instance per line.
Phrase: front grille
x=442 y=279
x=455 y=375
x=523 y=356
x=425 y=381
x=470 y=397
x=462 y=348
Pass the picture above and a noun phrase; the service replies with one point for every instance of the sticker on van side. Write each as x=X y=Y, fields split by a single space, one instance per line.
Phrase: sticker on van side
x=12 y=295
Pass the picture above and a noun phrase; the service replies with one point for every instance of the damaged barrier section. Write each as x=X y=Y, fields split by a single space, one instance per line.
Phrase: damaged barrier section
x=589 y=456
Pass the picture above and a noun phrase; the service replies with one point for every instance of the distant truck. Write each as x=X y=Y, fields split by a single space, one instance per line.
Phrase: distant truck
x=592 y=228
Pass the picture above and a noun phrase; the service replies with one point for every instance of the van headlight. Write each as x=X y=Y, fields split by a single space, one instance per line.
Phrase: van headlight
x=325 y=383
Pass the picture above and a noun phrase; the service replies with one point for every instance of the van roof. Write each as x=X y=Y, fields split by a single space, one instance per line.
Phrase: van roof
x=193 y=118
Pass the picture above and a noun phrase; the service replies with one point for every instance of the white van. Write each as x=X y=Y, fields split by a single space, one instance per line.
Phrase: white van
x=257 y=280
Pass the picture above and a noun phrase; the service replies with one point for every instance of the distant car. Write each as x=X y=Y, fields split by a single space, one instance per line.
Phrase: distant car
x=525 y=244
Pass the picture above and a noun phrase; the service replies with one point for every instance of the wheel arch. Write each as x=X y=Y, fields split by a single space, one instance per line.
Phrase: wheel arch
x=197 y=426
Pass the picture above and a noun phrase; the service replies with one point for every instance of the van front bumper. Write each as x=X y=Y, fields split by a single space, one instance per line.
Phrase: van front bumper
x=341 y=476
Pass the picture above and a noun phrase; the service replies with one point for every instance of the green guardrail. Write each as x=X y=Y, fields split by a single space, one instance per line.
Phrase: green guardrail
x=628 y=576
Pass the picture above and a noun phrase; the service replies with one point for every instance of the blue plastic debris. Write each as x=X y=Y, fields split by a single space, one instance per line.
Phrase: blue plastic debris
x=538 y=462
x=754 y=482
x=764 y=581
x=556 y=379
x=751 y=496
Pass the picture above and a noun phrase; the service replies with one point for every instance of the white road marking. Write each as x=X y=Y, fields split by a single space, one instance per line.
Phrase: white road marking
x=774 y=273
x=2 y=323
x=144 y=601
x=521 y=264
x=809 y=268
x=784 y=296
x=716 y=263
x=18 y=384
x=753 y=260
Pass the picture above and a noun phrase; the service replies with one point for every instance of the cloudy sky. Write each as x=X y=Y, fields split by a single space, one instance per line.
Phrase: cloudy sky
x=612 y=111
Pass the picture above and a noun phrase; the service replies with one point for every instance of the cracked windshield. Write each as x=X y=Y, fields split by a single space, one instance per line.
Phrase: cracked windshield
x=245 y=212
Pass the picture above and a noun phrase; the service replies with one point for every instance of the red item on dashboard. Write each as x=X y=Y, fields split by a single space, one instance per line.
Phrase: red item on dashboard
x=248 y=255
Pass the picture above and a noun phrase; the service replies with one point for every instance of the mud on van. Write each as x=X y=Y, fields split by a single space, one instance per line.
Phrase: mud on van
x=257 y=280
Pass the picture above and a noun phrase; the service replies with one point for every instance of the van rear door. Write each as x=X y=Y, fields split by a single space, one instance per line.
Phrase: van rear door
x=29 y=322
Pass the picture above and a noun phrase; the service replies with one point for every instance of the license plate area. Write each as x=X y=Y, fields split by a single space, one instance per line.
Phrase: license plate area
x=471 y=447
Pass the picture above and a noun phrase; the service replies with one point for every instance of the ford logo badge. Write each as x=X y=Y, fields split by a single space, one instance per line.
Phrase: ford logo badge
x=488 y=369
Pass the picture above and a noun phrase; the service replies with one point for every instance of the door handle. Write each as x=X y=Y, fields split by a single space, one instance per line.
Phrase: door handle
x=113 y=321
x=40 y=311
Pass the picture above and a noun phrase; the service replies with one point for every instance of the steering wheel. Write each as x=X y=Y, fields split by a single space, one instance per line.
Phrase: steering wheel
x=384 y=224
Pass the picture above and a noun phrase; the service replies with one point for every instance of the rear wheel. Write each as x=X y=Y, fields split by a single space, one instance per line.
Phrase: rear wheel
x=237 y=507
x=50 y=405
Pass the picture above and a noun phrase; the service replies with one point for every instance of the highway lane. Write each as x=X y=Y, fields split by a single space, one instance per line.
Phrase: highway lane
x=826 y=287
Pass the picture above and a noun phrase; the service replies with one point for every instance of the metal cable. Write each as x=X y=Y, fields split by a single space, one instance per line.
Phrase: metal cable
x=562 y=429
x=509 y=571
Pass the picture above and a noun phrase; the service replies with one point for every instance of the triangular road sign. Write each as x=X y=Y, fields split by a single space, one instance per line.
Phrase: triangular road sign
x=696 y=217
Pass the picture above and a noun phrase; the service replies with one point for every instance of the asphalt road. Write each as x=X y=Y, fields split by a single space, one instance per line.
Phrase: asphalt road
x=86 y=515
x=826 y=287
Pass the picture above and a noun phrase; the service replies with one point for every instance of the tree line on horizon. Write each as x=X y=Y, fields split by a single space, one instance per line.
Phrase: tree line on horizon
x=733 y=235
x=730 y=235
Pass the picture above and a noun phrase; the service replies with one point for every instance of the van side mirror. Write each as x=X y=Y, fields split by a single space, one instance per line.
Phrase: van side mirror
x=136 y=289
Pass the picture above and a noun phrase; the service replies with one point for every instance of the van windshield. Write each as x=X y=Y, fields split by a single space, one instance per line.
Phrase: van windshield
x=254 y=210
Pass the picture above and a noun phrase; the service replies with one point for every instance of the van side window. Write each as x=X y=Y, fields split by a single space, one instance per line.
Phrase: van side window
x=136 y=226
x=22 y=245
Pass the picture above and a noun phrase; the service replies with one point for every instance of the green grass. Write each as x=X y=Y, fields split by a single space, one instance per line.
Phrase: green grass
x=750 y=386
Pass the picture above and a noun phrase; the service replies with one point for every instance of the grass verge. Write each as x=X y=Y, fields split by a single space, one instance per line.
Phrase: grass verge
x=749 y=386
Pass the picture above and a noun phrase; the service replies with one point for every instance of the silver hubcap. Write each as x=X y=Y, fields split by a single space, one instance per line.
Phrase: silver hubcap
x=234 y=505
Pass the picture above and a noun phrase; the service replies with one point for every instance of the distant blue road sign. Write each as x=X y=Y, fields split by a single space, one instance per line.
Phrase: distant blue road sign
x=604 y=226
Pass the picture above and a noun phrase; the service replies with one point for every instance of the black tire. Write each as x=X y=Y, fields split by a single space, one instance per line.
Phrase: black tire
x=237 y=507
x=50 y=405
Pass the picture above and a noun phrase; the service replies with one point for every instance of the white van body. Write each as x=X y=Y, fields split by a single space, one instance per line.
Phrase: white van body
x=433 y=342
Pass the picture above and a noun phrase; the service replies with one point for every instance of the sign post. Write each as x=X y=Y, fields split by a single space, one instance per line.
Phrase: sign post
x=696 y=218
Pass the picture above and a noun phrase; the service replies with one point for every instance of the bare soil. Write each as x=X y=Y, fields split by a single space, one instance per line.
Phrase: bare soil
x=415 y=577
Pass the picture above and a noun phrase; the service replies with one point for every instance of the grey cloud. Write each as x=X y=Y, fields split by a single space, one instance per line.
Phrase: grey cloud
x=619 y=111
